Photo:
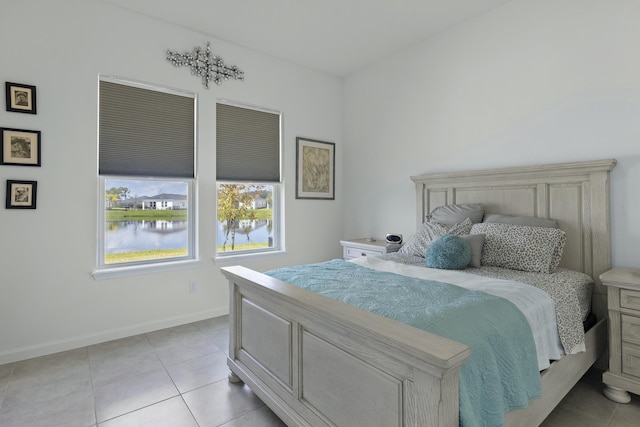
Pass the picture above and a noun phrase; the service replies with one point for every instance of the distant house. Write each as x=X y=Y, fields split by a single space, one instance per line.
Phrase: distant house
x=157 y=202
x=259 y=203
x=164 y=202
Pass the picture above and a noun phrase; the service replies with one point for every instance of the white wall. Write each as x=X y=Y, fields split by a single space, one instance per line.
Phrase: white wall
x=530 y=82
x=48 y=298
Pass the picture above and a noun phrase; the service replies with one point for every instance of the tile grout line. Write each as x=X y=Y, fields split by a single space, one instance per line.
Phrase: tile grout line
x=180 y=393
x=189 y=409
x=164 y=365
x=613 y=414
x=3 y=395
x=136 y=410
x=93 y=391
x=98 y=422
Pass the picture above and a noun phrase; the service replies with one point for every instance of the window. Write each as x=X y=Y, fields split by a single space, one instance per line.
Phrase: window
x=147 y=175
x=145 y=220
x=248 y=180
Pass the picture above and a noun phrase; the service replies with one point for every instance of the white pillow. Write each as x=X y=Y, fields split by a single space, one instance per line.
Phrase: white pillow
x=430 y=231
x=476 y=242
x=455 y=214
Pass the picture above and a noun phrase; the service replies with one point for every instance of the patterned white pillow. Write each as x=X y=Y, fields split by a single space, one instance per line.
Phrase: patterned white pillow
x=521 y=247
x=430 y=231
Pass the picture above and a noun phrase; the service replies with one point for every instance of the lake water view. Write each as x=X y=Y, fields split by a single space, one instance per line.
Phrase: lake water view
x=132 y=236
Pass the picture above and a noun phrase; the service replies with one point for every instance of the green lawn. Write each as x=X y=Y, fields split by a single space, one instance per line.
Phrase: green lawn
x=170 y=253
x=147 y=214
x=144 y=255
x=243 y=246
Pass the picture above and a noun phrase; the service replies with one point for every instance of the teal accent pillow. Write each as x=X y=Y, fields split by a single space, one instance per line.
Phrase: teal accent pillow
x=449 y=252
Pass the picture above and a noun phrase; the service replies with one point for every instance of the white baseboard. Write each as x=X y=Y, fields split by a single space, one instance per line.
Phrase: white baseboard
x=86 y=340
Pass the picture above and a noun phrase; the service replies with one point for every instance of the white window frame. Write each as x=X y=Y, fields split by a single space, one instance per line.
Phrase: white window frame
x=278 y=229
x=107 y=271
x=278 y=248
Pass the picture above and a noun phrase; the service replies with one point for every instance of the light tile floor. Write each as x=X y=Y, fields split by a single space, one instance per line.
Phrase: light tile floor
x=177 y=377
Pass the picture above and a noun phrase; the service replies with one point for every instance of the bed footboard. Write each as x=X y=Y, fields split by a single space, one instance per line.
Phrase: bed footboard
x=318 y=362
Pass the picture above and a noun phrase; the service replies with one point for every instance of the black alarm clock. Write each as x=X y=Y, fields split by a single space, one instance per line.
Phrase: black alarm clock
x=394 y=238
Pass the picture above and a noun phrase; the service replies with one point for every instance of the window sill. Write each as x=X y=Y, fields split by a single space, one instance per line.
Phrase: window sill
x=238 y=258
x=115 y=272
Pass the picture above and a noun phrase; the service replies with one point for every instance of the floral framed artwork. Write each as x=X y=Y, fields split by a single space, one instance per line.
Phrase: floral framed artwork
x=315 y=169
x=21 y=194
x=20 y=147
x=21 y=98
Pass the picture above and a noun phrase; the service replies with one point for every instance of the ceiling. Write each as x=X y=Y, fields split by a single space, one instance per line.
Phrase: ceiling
x=333 y=36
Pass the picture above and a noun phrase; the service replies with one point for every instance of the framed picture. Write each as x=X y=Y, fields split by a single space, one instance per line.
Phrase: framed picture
x=21 y=98
x=21 y=194
x=20 y=147
x=315 y=169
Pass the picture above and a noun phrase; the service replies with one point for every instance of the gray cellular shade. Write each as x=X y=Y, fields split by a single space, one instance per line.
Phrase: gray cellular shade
x=247 y=144
x=145 y=132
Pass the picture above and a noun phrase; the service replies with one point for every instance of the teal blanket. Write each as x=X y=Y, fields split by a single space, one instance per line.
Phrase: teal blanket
x=502 y=371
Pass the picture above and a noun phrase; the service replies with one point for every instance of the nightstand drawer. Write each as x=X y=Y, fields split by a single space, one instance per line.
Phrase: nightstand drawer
x=351 y=252
x=631 y=329
x=623 y=375
x=630 y=299
x=631 y=359
x=356 y=248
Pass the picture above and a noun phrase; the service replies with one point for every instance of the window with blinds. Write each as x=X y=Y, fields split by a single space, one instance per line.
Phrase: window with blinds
x=146 y=168
x=248 y=173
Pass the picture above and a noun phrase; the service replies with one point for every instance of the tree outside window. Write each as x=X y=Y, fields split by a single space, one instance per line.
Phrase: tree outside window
x=245 y=209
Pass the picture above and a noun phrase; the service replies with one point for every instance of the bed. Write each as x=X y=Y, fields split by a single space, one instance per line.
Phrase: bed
x=302 y=352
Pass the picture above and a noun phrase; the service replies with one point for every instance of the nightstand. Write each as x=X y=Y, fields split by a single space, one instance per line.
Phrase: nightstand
x=356 y=248
x=623 y=294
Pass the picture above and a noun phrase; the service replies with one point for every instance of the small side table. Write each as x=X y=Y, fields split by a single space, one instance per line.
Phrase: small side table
x=355 y=248
x=623 y=294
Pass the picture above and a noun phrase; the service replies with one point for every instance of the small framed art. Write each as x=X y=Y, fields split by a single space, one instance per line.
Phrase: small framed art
x=315 y=169
x=21 y=98
x=20 y=147
x=21 y=194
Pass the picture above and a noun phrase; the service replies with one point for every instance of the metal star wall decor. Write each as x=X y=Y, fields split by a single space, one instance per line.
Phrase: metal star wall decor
x=206 y=65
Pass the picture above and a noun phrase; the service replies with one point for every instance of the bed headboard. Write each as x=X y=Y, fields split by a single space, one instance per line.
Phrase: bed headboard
x=576 y=195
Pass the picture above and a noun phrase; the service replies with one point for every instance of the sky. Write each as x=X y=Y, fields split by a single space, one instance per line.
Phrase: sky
x=139 y=188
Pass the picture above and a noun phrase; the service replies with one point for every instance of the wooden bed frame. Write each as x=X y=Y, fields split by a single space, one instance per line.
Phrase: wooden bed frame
x=318 y=362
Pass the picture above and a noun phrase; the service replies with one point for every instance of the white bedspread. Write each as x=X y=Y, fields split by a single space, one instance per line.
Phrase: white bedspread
x=535 y=304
